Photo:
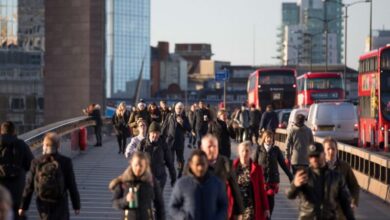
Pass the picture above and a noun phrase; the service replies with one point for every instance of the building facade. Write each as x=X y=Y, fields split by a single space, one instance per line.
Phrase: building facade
x=8 y=23
x=308 y=36
x=380 y=38
x=31 y=24
x=21 y=88
x=127 y=47
x=193 y=53
x=74 y=57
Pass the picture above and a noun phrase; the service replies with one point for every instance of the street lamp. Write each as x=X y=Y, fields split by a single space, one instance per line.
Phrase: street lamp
x=346 y=6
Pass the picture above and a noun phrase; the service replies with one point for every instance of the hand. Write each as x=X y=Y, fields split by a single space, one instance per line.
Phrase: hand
x=353 y=206
x=300 y=178
x=193 y=133
x=179 y=120
x=239 y=217
x=77 y=211
x=21 y=212
x=288 y=163
x=267 y=214
x=129 y=197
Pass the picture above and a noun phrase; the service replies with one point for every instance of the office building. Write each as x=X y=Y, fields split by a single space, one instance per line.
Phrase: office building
x=193 y=53
x=380 y=38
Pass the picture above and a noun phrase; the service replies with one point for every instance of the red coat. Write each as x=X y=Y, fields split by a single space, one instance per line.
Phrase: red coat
x=260 y=196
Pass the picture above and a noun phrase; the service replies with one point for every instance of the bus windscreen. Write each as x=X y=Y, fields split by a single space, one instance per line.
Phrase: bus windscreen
x=324 y=83
x=276 y=78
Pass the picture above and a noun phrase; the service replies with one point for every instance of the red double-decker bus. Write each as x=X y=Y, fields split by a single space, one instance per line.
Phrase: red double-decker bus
x=272 y=86
x=317 y=86
x=374 y=97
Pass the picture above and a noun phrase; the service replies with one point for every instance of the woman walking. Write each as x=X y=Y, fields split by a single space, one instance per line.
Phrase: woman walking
x=136 y=192
x=119 y=120
x=269 y=156
x=251 y=183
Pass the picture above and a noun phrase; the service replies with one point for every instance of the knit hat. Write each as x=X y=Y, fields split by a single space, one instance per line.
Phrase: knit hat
x=315 y=150
x=154 y=127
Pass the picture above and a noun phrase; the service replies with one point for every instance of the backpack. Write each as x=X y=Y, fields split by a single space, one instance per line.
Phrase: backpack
x=49 y=180
x=9 y=166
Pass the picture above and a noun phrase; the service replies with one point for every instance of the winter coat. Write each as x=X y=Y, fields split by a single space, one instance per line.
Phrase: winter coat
x=155 y=115
x=58 y=210
x=96 y=116
x=220 y=130
x=191 y=118
x=174 y=132
x=269 y=161
x=297 y=142
x=243 y=118
x=164 y=114
x=144 y=114
x=255 y=117
x=132 y=146
x=149 y=196
x=269 y=121
x=201 y=120
x=316 y=205
x=195 y=200
x=120 y=124
x=160 y=156
x=222 y=168
x=22 y=160
x=258 y=189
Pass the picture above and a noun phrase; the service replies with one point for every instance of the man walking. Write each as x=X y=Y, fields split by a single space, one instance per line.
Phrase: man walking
x=201 y=121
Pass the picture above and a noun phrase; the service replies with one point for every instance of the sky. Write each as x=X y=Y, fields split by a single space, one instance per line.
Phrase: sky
x=235 y=27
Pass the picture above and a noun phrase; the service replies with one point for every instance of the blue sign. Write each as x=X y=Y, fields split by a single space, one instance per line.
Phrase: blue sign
x=221 y=75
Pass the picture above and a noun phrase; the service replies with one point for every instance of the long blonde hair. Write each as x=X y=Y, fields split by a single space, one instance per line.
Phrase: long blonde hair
x=265 y=135
x=121 y=109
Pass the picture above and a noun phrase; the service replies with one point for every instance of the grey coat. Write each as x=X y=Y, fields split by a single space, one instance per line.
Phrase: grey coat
x=298 y=140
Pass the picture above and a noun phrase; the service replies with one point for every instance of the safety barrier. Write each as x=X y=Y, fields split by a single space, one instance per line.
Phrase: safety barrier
x=372 y=169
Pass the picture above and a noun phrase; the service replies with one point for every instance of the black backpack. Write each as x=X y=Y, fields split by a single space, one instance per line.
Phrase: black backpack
x=49 y=180
x=9 y=166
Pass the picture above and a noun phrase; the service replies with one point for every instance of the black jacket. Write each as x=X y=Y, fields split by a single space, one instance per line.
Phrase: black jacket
x=120 y=124
x=255 y=117
x=155 y=115
x=174 y=132
x=322 y=194
x=201 y=119
x=164 y=114
x=269 y=121
x=269 y=161
x=160 y=156
x=223 y=134
x=23 y=160
x=149 y=196
x=223 y=169
x=97 y=117
x=59 y=210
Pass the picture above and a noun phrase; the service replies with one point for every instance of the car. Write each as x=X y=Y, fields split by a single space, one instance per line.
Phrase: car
x=335 y=119
x=294 y=113
x=283 y=116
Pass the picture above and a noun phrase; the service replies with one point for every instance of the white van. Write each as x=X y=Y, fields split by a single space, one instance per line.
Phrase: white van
x=336 y=119
x=294 y=113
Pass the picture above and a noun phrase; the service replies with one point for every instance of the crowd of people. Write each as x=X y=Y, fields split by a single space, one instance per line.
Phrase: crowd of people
x=214 y=183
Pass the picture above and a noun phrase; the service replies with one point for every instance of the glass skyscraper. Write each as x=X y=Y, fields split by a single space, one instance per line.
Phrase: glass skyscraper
x=8 y=22
x=127 y=47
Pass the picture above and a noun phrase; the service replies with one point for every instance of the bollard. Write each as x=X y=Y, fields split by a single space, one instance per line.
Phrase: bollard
x=386 y=139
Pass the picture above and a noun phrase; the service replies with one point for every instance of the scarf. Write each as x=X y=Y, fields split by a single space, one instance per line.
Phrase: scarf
x=267 y=147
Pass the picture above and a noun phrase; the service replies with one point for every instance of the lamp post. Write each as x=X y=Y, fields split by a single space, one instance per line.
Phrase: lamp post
x=370 y=41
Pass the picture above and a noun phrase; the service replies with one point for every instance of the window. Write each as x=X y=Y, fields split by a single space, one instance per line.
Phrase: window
x=40 y=103
x=17 y=103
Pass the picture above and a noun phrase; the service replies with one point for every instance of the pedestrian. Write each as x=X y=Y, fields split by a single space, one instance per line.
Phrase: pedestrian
x=269 y=119
x=191 y=117
x=223 y=133
x=320 y=189
x=160 y=155
x=154 y=112
x=201 y=121
x=174 y=130
x=199 y=195
x=142 y=133
x=51 y=177
x=335 y=163
x=94 y=112
x=236 y=124
x=119 y=121
x=243 y=119
x=140 y=113
x=299 y=137
x=222 y=168
x=15 y=160
x=269 y=156
x=254 y=123
x=250 y=180
x=137 y=192
x=6 y=205
x=164 y=110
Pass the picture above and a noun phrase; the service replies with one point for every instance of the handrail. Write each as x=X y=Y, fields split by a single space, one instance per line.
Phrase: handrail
x=371 y=169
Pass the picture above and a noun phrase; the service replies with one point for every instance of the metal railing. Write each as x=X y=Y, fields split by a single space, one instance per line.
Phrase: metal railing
x=372 y=169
